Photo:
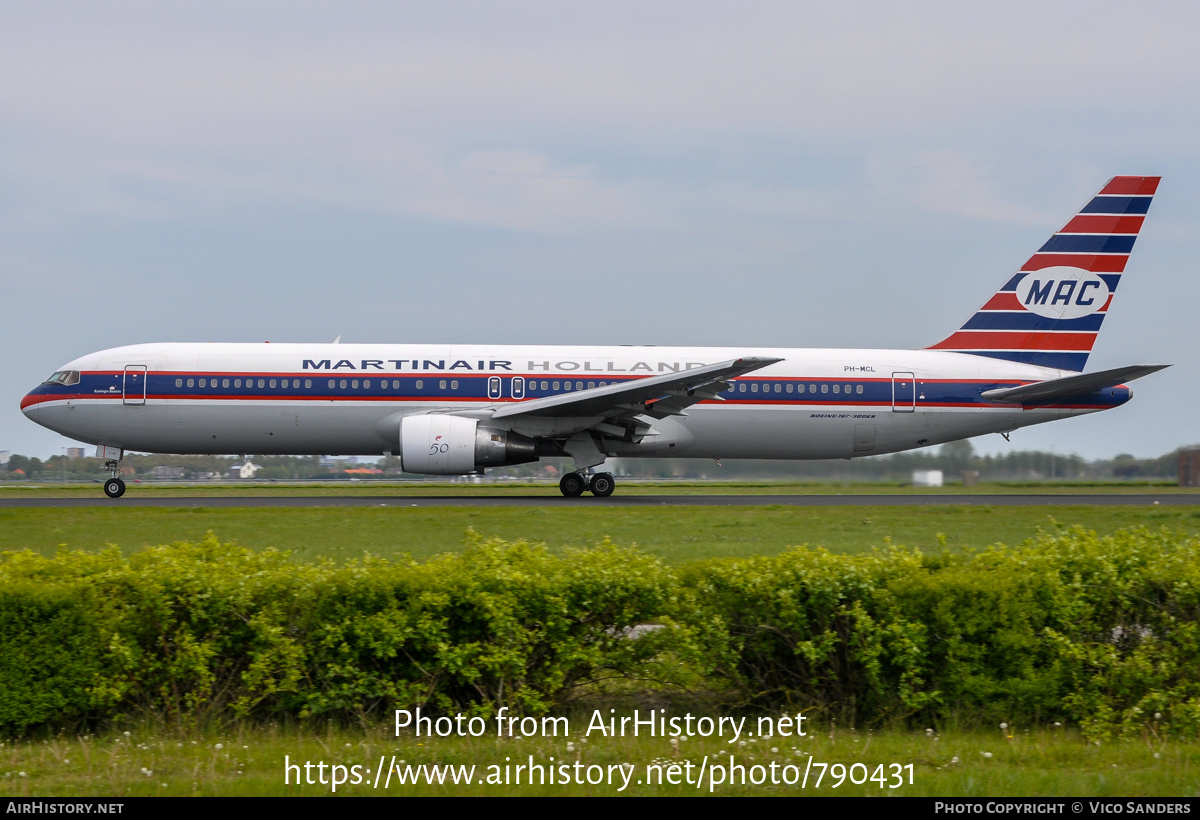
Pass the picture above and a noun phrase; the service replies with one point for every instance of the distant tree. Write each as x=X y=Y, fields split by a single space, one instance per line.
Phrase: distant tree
x=957 y=456
x=1126 y=466
x=31 y=467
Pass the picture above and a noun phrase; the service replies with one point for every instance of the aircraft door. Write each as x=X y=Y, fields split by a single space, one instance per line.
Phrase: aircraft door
x=904 y=392
x=518 y=387
x=133 y=387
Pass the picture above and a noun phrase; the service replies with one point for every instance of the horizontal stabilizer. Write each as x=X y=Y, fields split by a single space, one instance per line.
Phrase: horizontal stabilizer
x=1072 y=385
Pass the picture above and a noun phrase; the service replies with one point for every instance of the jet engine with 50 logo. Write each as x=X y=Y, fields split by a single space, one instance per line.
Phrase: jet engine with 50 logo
x=443 y=444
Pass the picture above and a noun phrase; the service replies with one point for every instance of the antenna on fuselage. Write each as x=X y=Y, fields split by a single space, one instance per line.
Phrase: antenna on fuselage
x=338 y=340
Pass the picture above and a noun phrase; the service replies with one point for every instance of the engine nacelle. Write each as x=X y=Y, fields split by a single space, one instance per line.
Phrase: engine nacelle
x=439 y=444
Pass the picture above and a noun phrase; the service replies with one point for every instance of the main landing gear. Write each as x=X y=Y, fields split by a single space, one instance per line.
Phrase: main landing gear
x=114 y=487
x=573 y=485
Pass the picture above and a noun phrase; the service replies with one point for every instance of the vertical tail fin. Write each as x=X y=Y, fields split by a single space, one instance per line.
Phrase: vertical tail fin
x=1050 y=312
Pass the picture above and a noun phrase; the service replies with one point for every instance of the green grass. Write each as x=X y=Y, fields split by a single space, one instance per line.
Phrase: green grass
x=674 y=534
x=249 y=761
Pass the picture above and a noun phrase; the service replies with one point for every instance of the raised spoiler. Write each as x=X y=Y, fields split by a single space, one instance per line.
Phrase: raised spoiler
x=1072 y=385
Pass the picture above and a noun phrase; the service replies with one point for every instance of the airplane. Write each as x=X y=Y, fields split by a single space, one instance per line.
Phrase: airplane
x=460 y=409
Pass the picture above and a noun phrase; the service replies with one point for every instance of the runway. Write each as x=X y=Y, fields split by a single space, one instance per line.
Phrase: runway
x=549 y=500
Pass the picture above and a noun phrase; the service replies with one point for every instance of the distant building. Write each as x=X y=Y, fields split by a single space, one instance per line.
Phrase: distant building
x=74 y=453
x=1189 y=468
x=167 y=472
x=246 y=470
x=927 y=478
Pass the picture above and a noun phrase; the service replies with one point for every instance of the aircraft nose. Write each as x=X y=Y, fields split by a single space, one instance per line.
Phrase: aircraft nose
x=29 y=406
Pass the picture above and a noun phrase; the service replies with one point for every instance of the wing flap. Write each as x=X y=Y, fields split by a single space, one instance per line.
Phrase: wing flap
x=658 y=396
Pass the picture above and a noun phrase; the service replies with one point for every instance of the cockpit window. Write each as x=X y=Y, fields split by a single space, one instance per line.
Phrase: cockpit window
x=64 y=377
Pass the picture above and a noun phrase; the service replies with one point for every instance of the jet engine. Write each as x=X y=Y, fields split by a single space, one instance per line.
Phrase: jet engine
x=439 y=444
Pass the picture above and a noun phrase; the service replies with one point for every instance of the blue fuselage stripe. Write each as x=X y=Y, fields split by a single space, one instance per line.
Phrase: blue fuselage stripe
x=877 y=393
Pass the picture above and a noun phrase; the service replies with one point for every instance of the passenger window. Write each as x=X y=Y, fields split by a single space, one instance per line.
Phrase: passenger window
x=420 y=384
x=837 y=388
x=342 y=384
x=308 y=383
x=824 y=388
x=779 y=388
x=579 y=385
x=179 y=382
x=545 y=385
x=191 y=382
x=395 y=384
x=383 y=384
x=858 y=390
x=566 y=385
x=789 y=387
x=203 y=383
x=742 y=387
x=237 y=382
x=332 y=384
x=354 y=384
x=591 y=385
x=754 y=387
x=799 y=388
x=224 y=382
x=454 y=384
x=272 y=384
x=554 y=386
x=261 y=383
x=812 y=388
x=442 y=384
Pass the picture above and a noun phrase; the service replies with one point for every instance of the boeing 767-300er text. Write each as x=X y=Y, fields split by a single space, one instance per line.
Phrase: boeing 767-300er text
x=459 y=409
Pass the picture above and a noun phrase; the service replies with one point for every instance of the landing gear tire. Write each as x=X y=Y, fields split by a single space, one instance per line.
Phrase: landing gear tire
x=602 y=485
x=114 y=488
x=572 y=485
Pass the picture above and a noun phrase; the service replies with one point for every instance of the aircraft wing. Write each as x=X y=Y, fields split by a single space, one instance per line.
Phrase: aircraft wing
x=1079 y=385
x=656 y=396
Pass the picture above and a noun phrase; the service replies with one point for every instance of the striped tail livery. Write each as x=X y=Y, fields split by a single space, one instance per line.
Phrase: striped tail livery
x=1050 y=312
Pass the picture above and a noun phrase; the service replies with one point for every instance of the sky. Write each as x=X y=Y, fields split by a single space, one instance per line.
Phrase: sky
x=675 y=173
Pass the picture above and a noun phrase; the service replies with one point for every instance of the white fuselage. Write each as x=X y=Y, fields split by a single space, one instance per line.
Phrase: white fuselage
x=348 y=399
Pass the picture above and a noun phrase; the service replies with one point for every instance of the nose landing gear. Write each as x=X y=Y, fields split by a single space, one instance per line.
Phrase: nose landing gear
x=114 y=487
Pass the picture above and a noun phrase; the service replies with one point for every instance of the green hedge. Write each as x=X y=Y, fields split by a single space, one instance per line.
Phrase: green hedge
x=1069 y=626
x=1098 y=631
